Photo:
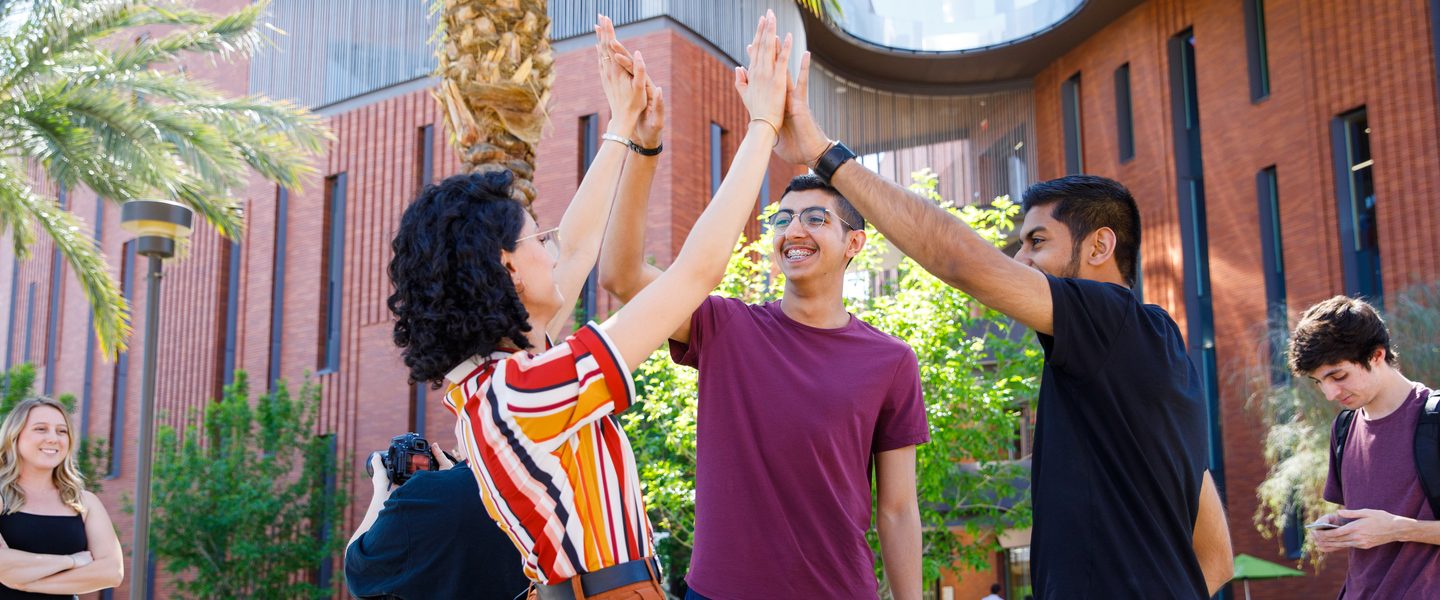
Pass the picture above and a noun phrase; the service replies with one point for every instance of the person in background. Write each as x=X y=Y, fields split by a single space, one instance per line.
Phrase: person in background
x=56 y=539
x=1388 y=525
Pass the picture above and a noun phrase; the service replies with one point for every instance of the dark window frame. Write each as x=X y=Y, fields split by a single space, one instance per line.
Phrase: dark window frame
x=716 y=157
x=1257 y=49
x=29 y=323
x=1190 y=188
x=230 y=312
x=1354 y=173
x=1071 y=126
x=1124 y=114
x=1272 y=258
x=277 y=286
x=52 y=319
x=87 y=389
x=333 y=271
x=425 y=174
x=589 y=147
x=122 y=368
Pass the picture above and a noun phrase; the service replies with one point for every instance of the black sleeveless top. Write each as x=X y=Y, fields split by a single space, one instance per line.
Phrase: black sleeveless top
x=42 y=534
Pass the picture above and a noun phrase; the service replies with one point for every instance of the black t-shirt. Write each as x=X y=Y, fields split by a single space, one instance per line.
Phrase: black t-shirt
x=433 y=539
x=1119 y=451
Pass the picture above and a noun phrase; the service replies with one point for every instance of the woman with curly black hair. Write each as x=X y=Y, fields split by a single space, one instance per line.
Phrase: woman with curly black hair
x=480 y=290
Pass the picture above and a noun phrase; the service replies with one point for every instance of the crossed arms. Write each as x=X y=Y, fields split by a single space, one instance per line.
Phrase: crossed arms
x=98 y=568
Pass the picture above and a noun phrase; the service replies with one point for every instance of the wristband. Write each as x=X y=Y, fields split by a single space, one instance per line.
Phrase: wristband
x=831 y=160
x=641 y=150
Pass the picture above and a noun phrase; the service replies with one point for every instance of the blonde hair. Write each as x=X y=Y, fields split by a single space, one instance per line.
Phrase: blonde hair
x=66 y=477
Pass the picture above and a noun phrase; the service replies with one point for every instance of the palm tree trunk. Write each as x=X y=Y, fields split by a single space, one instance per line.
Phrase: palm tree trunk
x=497 y=67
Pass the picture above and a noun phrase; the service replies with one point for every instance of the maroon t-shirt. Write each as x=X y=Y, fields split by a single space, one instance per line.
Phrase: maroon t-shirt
x=1378 y=471
x=789 y=418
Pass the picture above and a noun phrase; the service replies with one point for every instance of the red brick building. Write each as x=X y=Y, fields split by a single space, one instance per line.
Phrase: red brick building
x=1216 y=113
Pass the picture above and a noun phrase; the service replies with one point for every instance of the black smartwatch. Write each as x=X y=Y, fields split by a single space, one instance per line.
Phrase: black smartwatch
x=643 y=151
x=831 y=160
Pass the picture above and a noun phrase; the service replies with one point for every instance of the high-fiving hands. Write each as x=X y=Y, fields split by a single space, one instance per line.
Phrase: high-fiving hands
x=762 y=85
x=801 y=141
x=651 y=122
x=625 y=85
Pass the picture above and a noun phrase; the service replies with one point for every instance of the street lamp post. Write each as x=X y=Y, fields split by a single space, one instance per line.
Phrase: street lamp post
x=157 y=224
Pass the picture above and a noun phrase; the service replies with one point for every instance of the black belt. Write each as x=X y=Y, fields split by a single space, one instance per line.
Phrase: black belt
x=604 y=580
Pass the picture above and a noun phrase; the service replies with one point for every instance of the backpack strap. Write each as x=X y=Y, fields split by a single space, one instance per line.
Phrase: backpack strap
x=1427 y=451
x=1340 y=432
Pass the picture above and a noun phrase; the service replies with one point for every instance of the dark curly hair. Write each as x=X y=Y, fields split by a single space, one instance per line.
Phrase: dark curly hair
x=453 y=297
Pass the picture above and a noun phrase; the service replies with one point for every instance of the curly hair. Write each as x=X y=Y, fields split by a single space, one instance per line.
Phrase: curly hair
x=453 y=297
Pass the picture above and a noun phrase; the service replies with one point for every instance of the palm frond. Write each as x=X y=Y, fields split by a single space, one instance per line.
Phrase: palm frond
x=19 y=203
x=115 y=121
x=230 y=35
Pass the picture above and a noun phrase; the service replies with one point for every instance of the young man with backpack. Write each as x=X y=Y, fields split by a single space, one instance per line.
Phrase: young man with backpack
x=1384 y=452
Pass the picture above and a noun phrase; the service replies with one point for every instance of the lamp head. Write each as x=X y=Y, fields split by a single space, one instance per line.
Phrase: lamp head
x=157 y=224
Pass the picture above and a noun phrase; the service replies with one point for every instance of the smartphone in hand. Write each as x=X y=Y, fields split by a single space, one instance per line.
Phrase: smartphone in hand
x=1321 y=524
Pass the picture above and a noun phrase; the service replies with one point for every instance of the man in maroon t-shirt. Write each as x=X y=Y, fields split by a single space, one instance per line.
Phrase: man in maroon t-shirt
x=799 y=401
x=1387 y=524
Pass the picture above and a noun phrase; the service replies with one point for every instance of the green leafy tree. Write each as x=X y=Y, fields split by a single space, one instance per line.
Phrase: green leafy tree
x=247 y=504
x=82 y=104
x=976 y=369
x=92 y=454
x=1298 y=417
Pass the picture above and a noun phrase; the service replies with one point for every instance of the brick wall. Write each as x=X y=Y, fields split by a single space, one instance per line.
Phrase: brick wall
x=367 y=400
x=1325 y=59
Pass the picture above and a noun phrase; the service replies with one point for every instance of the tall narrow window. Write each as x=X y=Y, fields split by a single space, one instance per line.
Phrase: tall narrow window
x=277 y=285
x=87 y=387
x=52 y=319
x=1070 y=118
x=1257 y=52
x=29 y=322
x=589 y=147
x=717 y=157
x=230 y=312
x=333 y=272
x=1272 y=257
x=1195 y=251
x=1355 y=193
x=425 y=157
x=14 y=306
x=122 y=368
x=1124 y=120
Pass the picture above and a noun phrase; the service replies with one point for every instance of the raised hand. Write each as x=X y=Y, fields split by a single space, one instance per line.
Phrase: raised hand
x=762 y=85
x=624 y=87
x=801 y=140
x=652 y=119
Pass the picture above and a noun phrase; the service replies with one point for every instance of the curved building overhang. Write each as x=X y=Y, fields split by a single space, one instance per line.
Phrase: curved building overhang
x=1001 y=64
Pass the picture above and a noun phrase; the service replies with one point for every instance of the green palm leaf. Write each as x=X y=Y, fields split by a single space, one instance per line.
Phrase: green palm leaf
x=117 y=119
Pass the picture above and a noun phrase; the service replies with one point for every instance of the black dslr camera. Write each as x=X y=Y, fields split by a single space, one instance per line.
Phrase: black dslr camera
x=407 y=454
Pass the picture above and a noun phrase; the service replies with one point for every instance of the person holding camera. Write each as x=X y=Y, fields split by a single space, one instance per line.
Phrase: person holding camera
x=415 y=540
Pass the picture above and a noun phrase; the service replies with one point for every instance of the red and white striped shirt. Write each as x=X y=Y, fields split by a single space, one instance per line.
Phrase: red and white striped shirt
x=554 y=467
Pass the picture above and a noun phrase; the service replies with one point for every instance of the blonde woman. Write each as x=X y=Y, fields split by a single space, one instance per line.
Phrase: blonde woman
x=56 y=540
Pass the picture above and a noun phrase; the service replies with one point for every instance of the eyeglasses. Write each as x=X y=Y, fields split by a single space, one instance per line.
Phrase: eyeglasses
x=550 y=239
x=812 y=218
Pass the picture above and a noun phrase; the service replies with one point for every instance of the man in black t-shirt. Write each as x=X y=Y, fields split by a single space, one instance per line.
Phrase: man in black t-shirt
x=430 y=538
x=1123 y=504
